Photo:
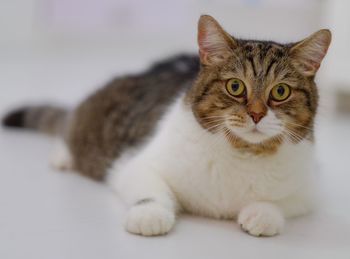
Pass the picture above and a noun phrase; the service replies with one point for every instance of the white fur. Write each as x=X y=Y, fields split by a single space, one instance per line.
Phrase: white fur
x=149 y=219
x=185 y=167
x=61 y=158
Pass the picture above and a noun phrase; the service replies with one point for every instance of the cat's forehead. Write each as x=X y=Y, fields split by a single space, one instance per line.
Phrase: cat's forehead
x=258 y=62
x=257 y=46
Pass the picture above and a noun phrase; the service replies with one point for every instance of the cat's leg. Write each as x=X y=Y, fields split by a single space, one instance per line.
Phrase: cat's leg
x=61 y=157
x=152 y=205
x=261 y=219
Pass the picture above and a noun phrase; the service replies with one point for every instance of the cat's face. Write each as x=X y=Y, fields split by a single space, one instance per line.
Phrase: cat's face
x=257 y=93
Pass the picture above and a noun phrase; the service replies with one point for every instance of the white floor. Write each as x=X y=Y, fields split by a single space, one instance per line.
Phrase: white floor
x=48 y=214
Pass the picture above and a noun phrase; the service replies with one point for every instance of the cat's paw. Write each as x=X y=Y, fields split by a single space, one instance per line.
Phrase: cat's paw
x=149 y=220
x=261 y=219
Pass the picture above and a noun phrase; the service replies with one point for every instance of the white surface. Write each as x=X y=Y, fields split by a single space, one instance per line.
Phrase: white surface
x=48 y=214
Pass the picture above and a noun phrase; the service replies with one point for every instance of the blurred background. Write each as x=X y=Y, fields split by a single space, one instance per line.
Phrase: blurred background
x=61 y=50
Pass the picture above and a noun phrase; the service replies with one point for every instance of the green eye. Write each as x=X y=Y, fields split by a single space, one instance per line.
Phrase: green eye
x=235 y=87
x=280 y=92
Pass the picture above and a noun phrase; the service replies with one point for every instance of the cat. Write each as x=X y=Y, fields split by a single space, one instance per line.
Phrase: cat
x=226 y=134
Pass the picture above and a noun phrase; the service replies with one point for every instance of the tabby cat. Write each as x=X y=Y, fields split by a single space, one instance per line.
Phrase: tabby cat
x=227 y=135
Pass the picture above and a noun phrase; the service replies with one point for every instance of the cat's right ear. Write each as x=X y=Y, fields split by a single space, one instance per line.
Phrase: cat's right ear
x=215 y=45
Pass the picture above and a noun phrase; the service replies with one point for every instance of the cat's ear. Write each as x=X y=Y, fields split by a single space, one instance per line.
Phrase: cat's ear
x=308 y=53
x=215 y=45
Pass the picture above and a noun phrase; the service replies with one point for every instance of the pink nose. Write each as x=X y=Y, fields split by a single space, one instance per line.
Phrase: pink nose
x=256 y=116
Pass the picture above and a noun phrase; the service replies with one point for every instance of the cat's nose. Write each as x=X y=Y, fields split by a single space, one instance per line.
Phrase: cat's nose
x=256 y=116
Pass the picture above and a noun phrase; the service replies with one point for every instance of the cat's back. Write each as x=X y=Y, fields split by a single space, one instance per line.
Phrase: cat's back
x=125 y=112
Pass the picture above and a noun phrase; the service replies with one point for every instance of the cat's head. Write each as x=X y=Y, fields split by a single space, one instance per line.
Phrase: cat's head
x=259 y=93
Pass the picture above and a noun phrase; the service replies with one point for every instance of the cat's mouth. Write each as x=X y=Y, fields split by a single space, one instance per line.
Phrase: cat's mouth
x=256 y=130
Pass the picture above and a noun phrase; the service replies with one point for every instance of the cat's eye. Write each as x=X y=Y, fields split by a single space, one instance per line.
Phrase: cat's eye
x=235 y=87
x=280 y=92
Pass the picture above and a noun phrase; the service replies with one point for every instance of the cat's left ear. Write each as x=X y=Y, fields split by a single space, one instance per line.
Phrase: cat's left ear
x=215 y=45
x=308 y=54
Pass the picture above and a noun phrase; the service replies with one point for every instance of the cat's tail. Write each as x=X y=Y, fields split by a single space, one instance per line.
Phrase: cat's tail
x=46 y=119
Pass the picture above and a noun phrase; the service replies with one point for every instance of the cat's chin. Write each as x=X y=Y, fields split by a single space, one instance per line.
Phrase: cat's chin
x=253 y=136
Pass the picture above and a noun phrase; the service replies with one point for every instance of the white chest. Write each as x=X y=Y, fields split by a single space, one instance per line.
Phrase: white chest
x=209 y=177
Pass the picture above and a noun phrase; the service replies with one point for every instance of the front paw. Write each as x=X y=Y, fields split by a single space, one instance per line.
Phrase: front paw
x=261 y=219
x=150 y=219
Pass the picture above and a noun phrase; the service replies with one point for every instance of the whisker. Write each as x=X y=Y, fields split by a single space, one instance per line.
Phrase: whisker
x=298 y=125
x=293 y=135
x=211 y=117
x=213 y=126
x=216 y=120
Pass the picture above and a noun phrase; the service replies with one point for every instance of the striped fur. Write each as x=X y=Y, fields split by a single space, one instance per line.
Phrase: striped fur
x=47 y=119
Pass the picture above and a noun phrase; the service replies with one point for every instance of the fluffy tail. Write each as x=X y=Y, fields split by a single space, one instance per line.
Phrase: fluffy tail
x=47 y=119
